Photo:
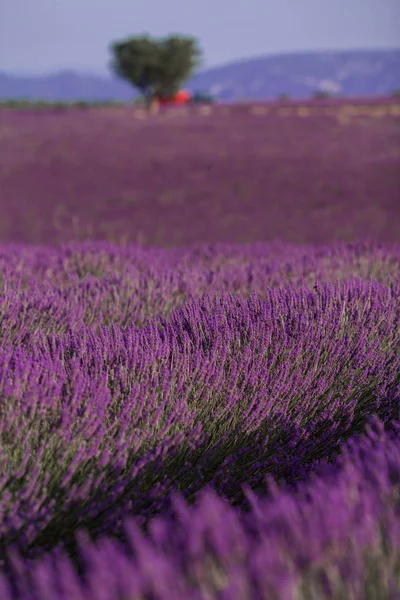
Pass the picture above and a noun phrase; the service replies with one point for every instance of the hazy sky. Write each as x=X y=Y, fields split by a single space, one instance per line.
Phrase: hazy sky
x=38 y=36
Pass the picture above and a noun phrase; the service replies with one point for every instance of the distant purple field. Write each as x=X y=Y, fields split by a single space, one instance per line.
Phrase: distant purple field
x=200 y=420
x=196 y=423
x=234 y=175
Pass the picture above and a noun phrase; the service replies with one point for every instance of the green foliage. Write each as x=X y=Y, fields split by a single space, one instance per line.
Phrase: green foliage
x=396 y=92
x=321 y=95
x=59 y=106
x=200 y=98
x=283 y=97
x=138 y=101
x=157 y=68
x=21 y=103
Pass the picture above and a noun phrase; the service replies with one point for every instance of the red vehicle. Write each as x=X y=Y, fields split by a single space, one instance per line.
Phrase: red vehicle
x=181 y=97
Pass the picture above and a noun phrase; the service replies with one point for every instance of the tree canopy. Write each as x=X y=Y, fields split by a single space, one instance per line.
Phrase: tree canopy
x=156 y=67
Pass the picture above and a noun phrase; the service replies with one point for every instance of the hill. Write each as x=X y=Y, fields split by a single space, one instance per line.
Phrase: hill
x=300 y=75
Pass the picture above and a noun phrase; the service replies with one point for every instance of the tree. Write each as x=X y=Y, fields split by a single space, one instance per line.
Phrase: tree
x=156 y=67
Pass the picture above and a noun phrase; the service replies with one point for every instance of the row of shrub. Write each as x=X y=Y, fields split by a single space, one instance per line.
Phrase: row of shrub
x=60 y=105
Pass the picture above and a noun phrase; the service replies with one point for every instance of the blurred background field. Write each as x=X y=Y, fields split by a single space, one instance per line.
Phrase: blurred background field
x=298 y=171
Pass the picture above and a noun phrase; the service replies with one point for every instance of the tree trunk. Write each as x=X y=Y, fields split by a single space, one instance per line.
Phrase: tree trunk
x=152 y=104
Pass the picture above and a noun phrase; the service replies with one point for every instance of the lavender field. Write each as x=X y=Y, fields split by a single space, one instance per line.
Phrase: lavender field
x=200 y=354
x=300 y=172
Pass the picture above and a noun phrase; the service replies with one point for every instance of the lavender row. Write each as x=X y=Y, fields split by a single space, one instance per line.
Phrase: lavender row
x=339 y=537
x=56 y=289
x=108 y=405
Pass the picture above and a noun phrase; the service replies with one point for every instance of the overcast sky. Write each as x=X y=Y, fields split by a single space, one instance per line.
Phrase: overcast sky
x=38 y=36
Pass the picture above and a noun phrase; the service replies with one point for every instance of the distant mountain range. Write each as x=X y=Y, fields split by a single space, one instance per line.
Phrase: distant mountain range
x=300 y=75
